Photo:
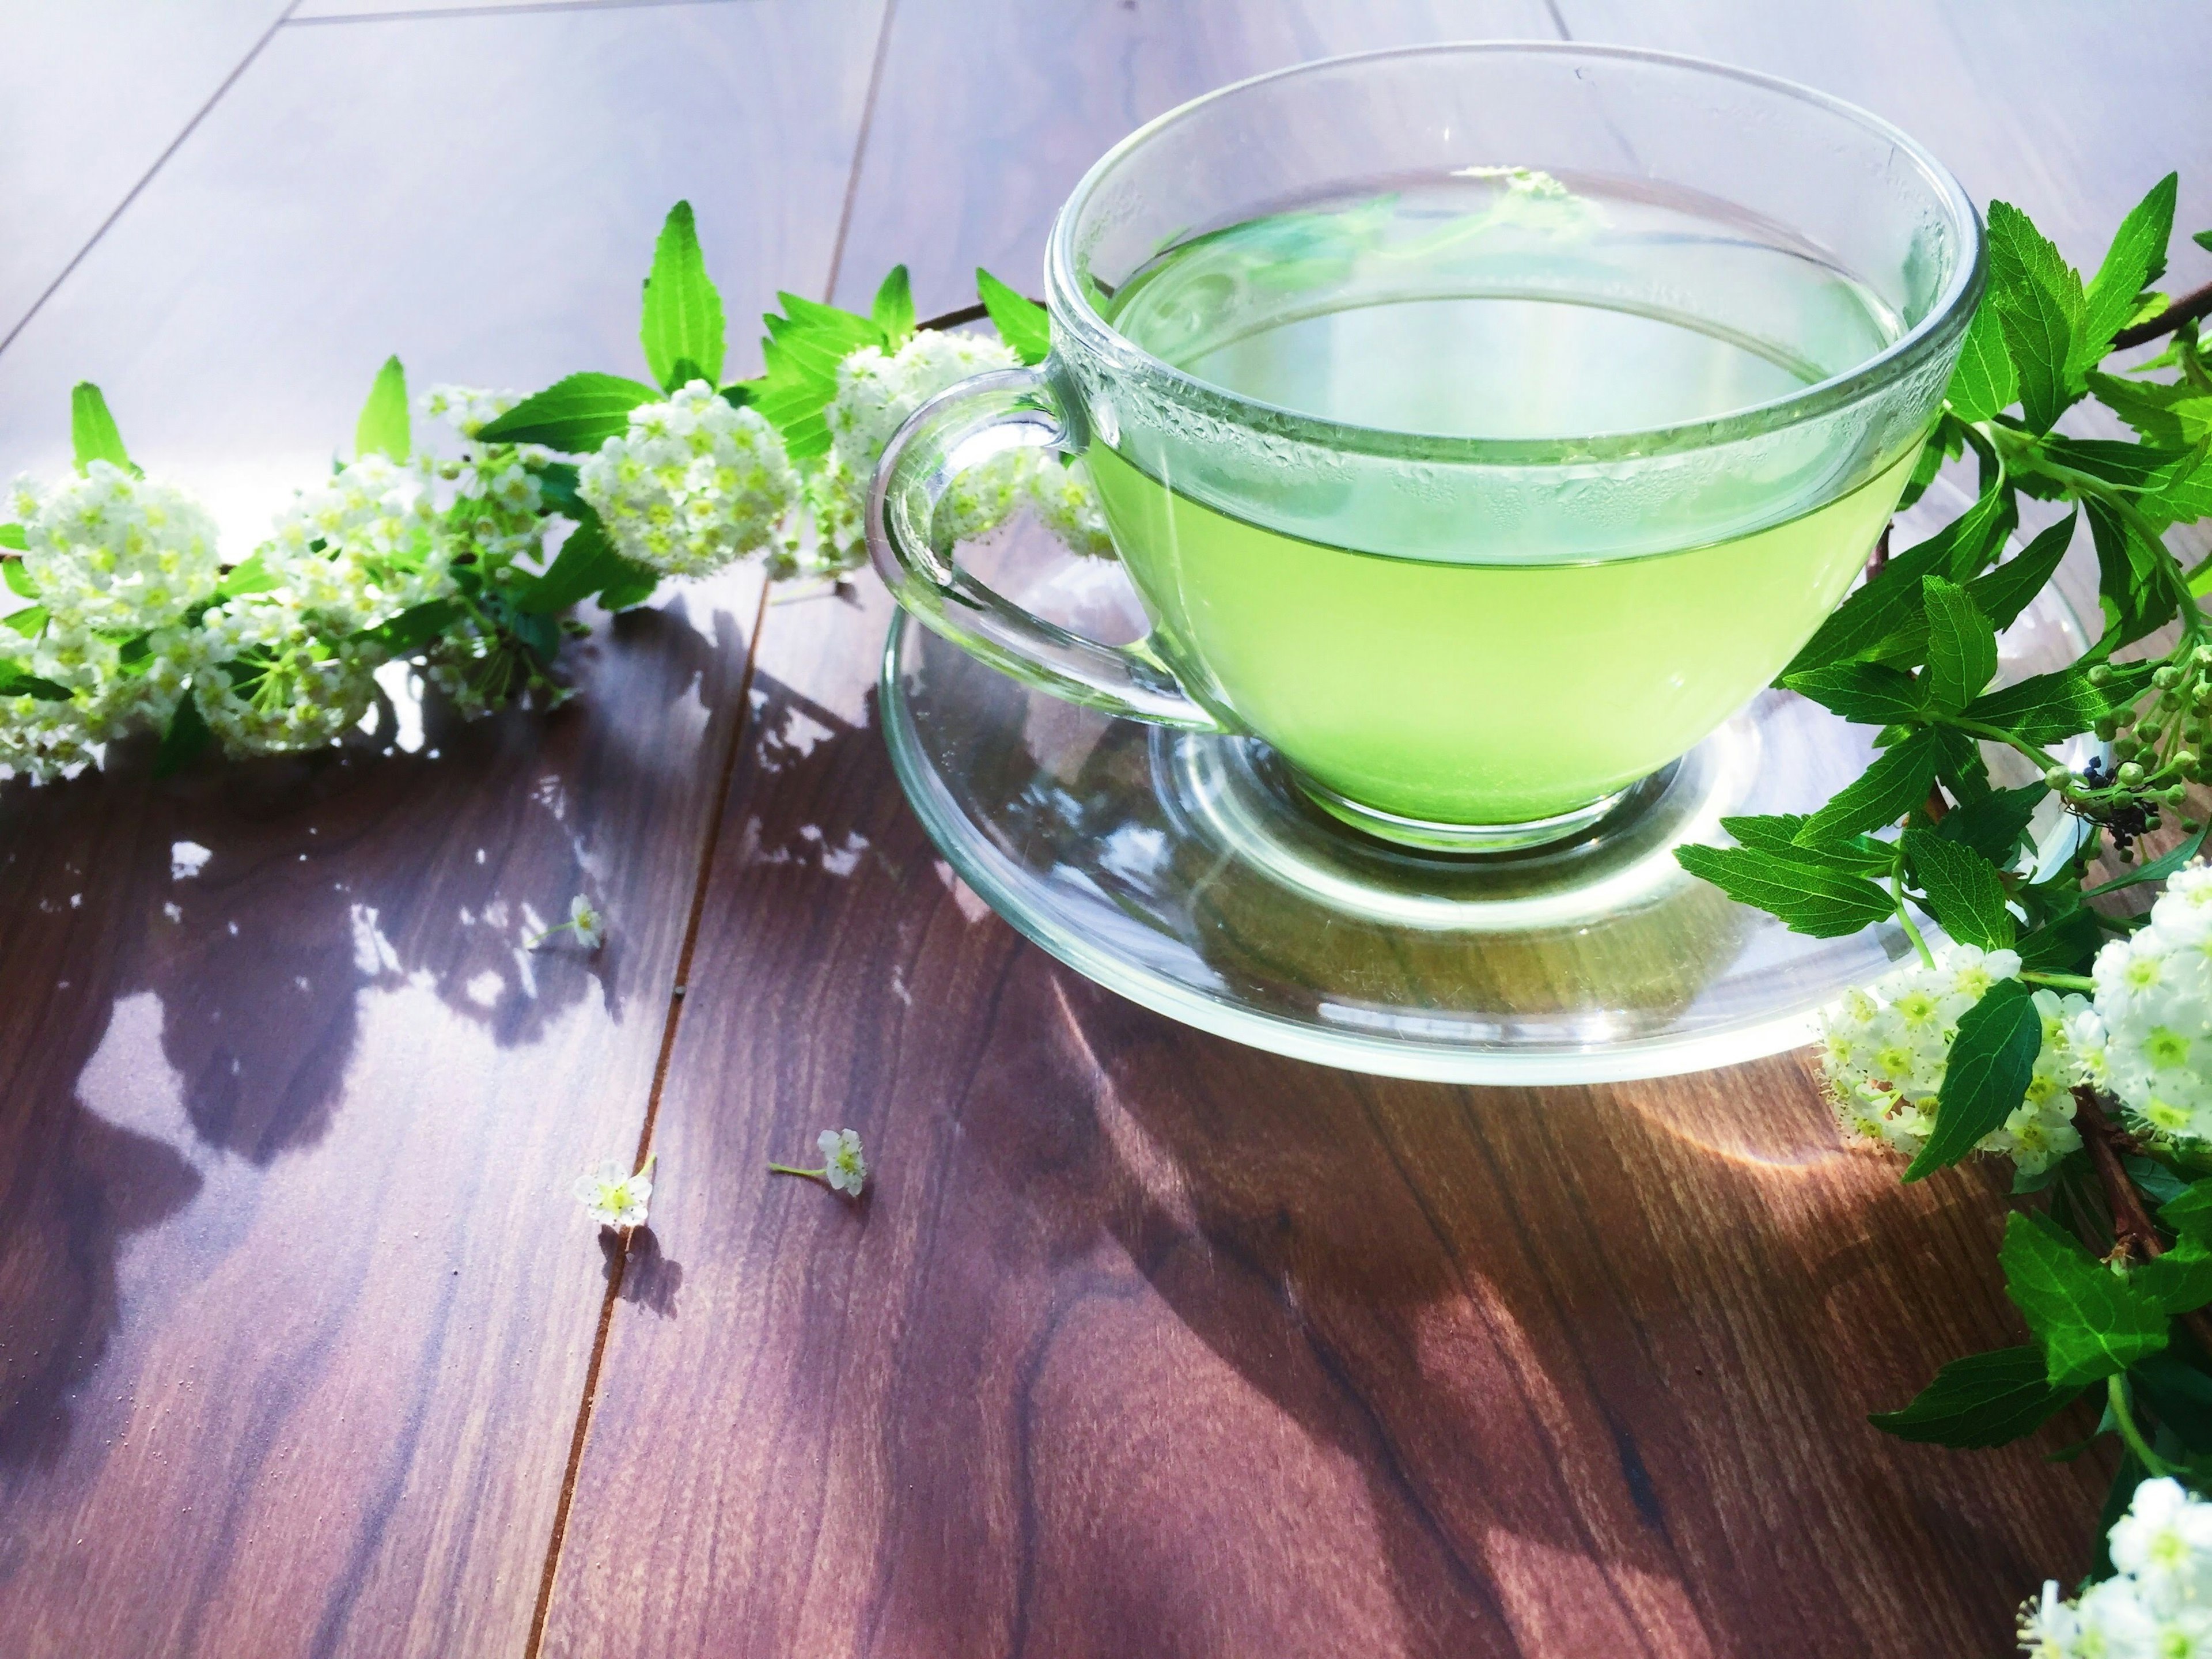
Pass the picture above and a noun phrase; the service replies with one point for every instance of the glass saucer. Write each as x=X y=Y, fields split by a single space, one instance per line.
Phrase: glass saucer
x=1186 y=872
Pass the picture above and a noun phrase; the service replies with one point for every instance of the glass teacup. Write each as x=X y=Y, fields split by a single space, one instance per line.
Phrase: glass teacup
x=1479 y=425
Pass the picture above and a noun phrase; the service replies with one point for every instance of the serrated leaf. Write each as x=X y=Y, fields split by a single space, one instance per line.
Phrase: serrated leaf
x=93 y=429
x=2089 y=1322
x=2003 y=593
x=2181 y=491
x=186 y=739
x=1022 y=322
x=574 y=415
x=1994 y=825
x=2180 y=1281
x=2064 y=946
x=383 y=429
x=2180 y=1393
x=893 y=310
x=585 y=564
x=1962 y=646
x=1984 y=381
x=1808 y=896
x=1984 y=1400
x=2135 y=259
x=681 y=325
x=1963 y=890
x=1862 y=691
x=2175 y=416
x=2063 y=703
x=2133 y=585
x=2158 y=869
x=2131 y=466
x=2190 y=1215
x=2038 y=301
x=636 y=585
x=1776 y=832
x=1992 y=1058
x=1894 y=598
x=801 y=353
x=1896 y=782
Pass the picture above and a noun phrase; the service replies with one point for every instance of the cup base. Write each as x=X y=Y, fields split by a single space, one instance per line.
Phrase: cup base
x=1477 y=839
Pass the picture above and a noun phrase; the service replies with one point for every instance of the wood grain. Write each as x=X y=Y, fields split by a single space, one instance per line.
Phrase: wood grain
x=1143 y=1342
x=296 y=1309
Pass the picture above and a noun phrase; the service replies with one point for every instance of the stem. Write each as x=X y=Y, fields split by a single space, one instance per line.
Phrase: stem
x=1897 y=894
x=2131 y=1223
x=557 y=928
x=2116 y=1390
x=821 y=1175
x=2059 y=981
x=2187 y=309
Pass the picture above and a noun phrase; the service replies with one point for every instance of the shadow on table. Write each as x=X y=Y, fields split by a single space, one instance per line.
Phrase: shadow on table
x=257 y=903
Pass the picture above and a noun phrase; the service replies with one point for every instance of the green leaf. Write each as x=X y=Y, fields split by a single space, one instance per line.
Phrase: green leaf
x=2088 y=1321
x=802 y=352
x=2003 y=593
x=2048 y=707
x=2190 y=1215
x=2038 y=301
x=586 y=563
x=1992 y=1058
x=1994 y=825
x=2135 y=259
x=2174 y=416
x=1862 y=691
x=18 y=579
x=30 y=685
x=893 y=310
x=1809 y=897
x=12 y=536
x=681 y=326
x=1022 y=322
x=2180 y=1393
x=30 y=622
x=2062 y=946
x=1777 y=833
x=1984 y=381
x=249 y=575
x=2153 y=1179
x=2158 y=869
x=573 y=415
x=2131 y=466
x=2181 y=491
x=1896 y=782
x=2180 y=1281
x=635 y=588
x=1962 y=646
x=1984 y=1400
x=186 y=738
x=2133 y=585
x=383 y=427
x=92 y=430
x=1963 y=890
x=414 y=628
x=1894 y=599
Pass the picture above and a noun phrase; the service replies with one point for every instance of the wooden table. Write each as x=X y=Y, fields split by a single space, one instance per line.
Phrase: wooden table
x=1141 y=1343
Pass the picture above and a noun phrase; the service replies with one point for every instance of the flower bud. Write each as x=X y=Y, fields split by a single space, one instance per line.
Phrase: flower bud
x=2131 y=775
x=2099 y=674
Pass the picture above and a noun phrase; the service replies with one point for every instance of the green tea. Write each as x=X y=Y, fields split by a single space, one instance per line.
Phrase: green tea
x=1462 y=684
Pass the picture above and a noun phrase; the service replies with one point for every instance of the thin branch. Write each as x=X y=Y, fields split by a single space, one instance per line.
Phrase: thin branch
x=2132 y=1230
x=2187 y=309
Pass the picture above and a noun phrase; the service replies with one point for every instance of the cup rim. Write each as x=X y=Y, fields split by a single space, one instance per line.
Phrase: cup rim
x=1070 y=308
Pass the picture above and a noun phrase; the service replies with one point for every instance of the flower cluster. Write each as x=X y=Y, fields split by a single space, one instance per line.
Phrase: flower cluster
x=693 y=485
x=2158 y=1603
x=2154 y=1003
x=1885 y=1049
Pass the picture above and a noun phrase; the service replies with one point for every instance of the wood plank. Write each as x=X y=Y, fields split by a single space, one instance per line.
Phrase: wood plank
x=1144 y=1342
x=296 y=1307
x=92 y=93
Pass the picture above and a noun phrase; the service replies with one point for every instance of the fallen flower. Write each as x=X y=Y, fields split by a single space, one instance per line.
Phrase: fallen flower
x=615 y=1199
x=844 y=1168
x=589 y=925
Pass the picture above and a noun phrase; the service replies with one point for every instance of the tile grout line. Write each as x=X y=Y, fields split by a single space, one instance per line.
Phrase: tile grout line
x=678 y=994
x=541 y=1614
x=147 y=178
x=518 y=9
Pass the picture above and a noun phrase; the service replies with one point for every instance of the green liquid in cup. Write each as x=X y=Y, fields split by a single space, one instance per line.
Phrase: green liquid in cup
x=1463 y=689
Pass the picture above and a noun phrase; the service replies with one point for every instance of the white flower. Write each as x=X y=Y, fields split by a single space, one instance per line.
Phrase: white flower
x=357 y=550
x=614 y=1198
x=843 y=1167
x=875 y=395
x=2159 y=1601
x=113 y=551
x=279 y=681
x=1884 y=1050
x=2155 y=1005
x=468 y=410
x=693 y=484
x=591 y=927
x=1067 y=503
x=45 y=738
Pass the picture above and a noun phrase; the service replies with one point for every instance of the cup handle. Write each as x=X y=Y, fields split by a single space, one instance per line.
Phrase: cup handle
x=954 y=432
